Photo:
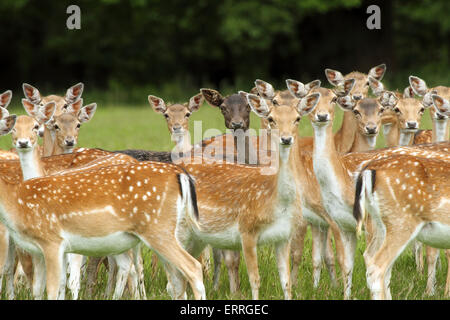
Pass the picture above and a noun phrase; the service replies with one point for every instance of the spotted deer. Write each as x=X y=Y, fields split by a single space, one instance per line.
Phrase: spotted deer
x=345 y=137
x=412 y=109
x=60 y=213
x=407 y=198
x=335 y=176
x=270 y=209
x=24 y=136
x=404 y=117
x=61 y=133
x=6 y=267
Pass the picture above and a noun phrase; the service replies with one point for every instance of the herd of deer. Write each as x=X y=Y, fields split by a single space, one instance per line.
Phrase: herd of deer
x=59 y=204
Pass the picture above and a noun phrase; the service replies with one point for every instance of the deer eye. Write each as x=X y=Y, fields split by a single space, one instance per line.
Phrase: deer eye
x=36 y=127
x=270 y=119
x=356 y=112
x=297 y=120
x=396 y=109
x=78 y=126
x=166 y=115
x=422 y=110
x=381 y=111
x=188 y=115
x=275 y=102
x=65 y=106
x=56 y=127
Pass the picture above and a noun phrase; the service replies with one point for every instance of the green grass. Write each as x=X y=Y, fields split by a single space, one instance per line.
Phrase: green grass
x=115 y=128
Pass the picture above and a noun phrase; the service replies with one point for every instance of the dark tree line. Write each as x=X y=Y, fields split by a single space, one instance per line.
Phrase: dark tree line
x=224 y=44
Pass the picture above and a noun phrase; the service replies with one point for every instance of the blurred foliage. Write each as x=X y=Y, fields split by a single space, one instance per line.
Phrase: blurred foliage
x=131 y=48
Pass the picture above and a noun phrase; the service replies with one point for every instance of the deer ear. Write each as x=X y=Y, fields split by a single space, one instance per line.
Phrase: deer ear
x=74 y=92
x=3 y=113
x=30 y=108
x=254 y=91
x=408 y=92
x=157 y=104
x=308 y=103
x=376 y=86
x=418 y=85
x=74 y=107
x=334 y=77
x=346 y=103
x=195 y=102
x=258 y=105
x=31 y=93
x=378 y=71
x=388 y=99
x=441 y=105
x=298 y=89
x=7 y=124
x=87 y=112
x=344 y=88
x=213 y=97
x=5 y=98
x=45 y=112
x=265 y=89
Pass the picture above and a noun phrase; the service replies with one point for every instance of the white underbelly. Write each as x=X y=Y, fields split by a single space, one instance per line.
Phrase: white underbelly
x=279 y=230
x=228 y=238
x=435 y=234
x=100 y=246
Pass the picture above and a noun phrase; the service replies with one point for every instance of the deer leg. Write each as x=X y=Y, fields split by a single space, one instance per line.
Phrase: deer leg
x=349 y=248
x=432 y=258
x=249 y=248
x=171 y=251
x=447 y=282
x=418 y=254
x=4 y=245
x=74 y=267
x=112 y=275
x=139 y=266
x=217 y=256
x=26 y=265
x=328 y=254
x=232 y=259
x=9 y=269
x=282 y=252
x=316 y=254
x=380 y=263
x=54 y=270
x=124 y=268
x=297 y=246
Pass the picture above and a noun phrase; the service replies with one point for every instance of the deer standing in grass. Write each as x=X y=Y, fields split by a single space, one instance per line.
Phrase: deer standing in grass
x=407 y=116
x=269 y=211
x=407 y=198
x=60 y=213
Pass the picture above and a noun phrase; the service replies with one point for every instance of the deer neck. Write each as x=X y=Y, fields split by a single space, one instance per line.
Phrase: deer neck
x=183 y=141
x=332 y=176
x=441 y=130
x=405 y=138
x=363 y=143
x=391 y=134
x=49 y=144
x=345 y=136
x=30 y=162
x=287 y=172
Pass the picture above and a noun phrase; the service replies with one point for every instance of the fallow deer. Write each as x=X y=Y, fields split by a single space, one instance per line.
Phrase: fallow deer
x=267 y=214
x=5 y=99
x=345 y=137
x=407 y=198
x=48 y=217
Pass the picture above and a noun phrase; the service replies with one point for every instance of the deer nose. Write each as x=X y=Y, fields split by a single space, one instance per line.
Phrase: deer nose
x=237 y=125
x=177 y=129
x=70 y=142
x=322 y=117
x=371 y=129
x=286 y=140
x=411 y=125
x=23 y=143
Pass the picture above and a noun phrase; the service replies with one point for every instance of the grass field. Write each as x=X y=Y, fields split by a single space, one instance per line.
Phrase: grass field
x=115 y=128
